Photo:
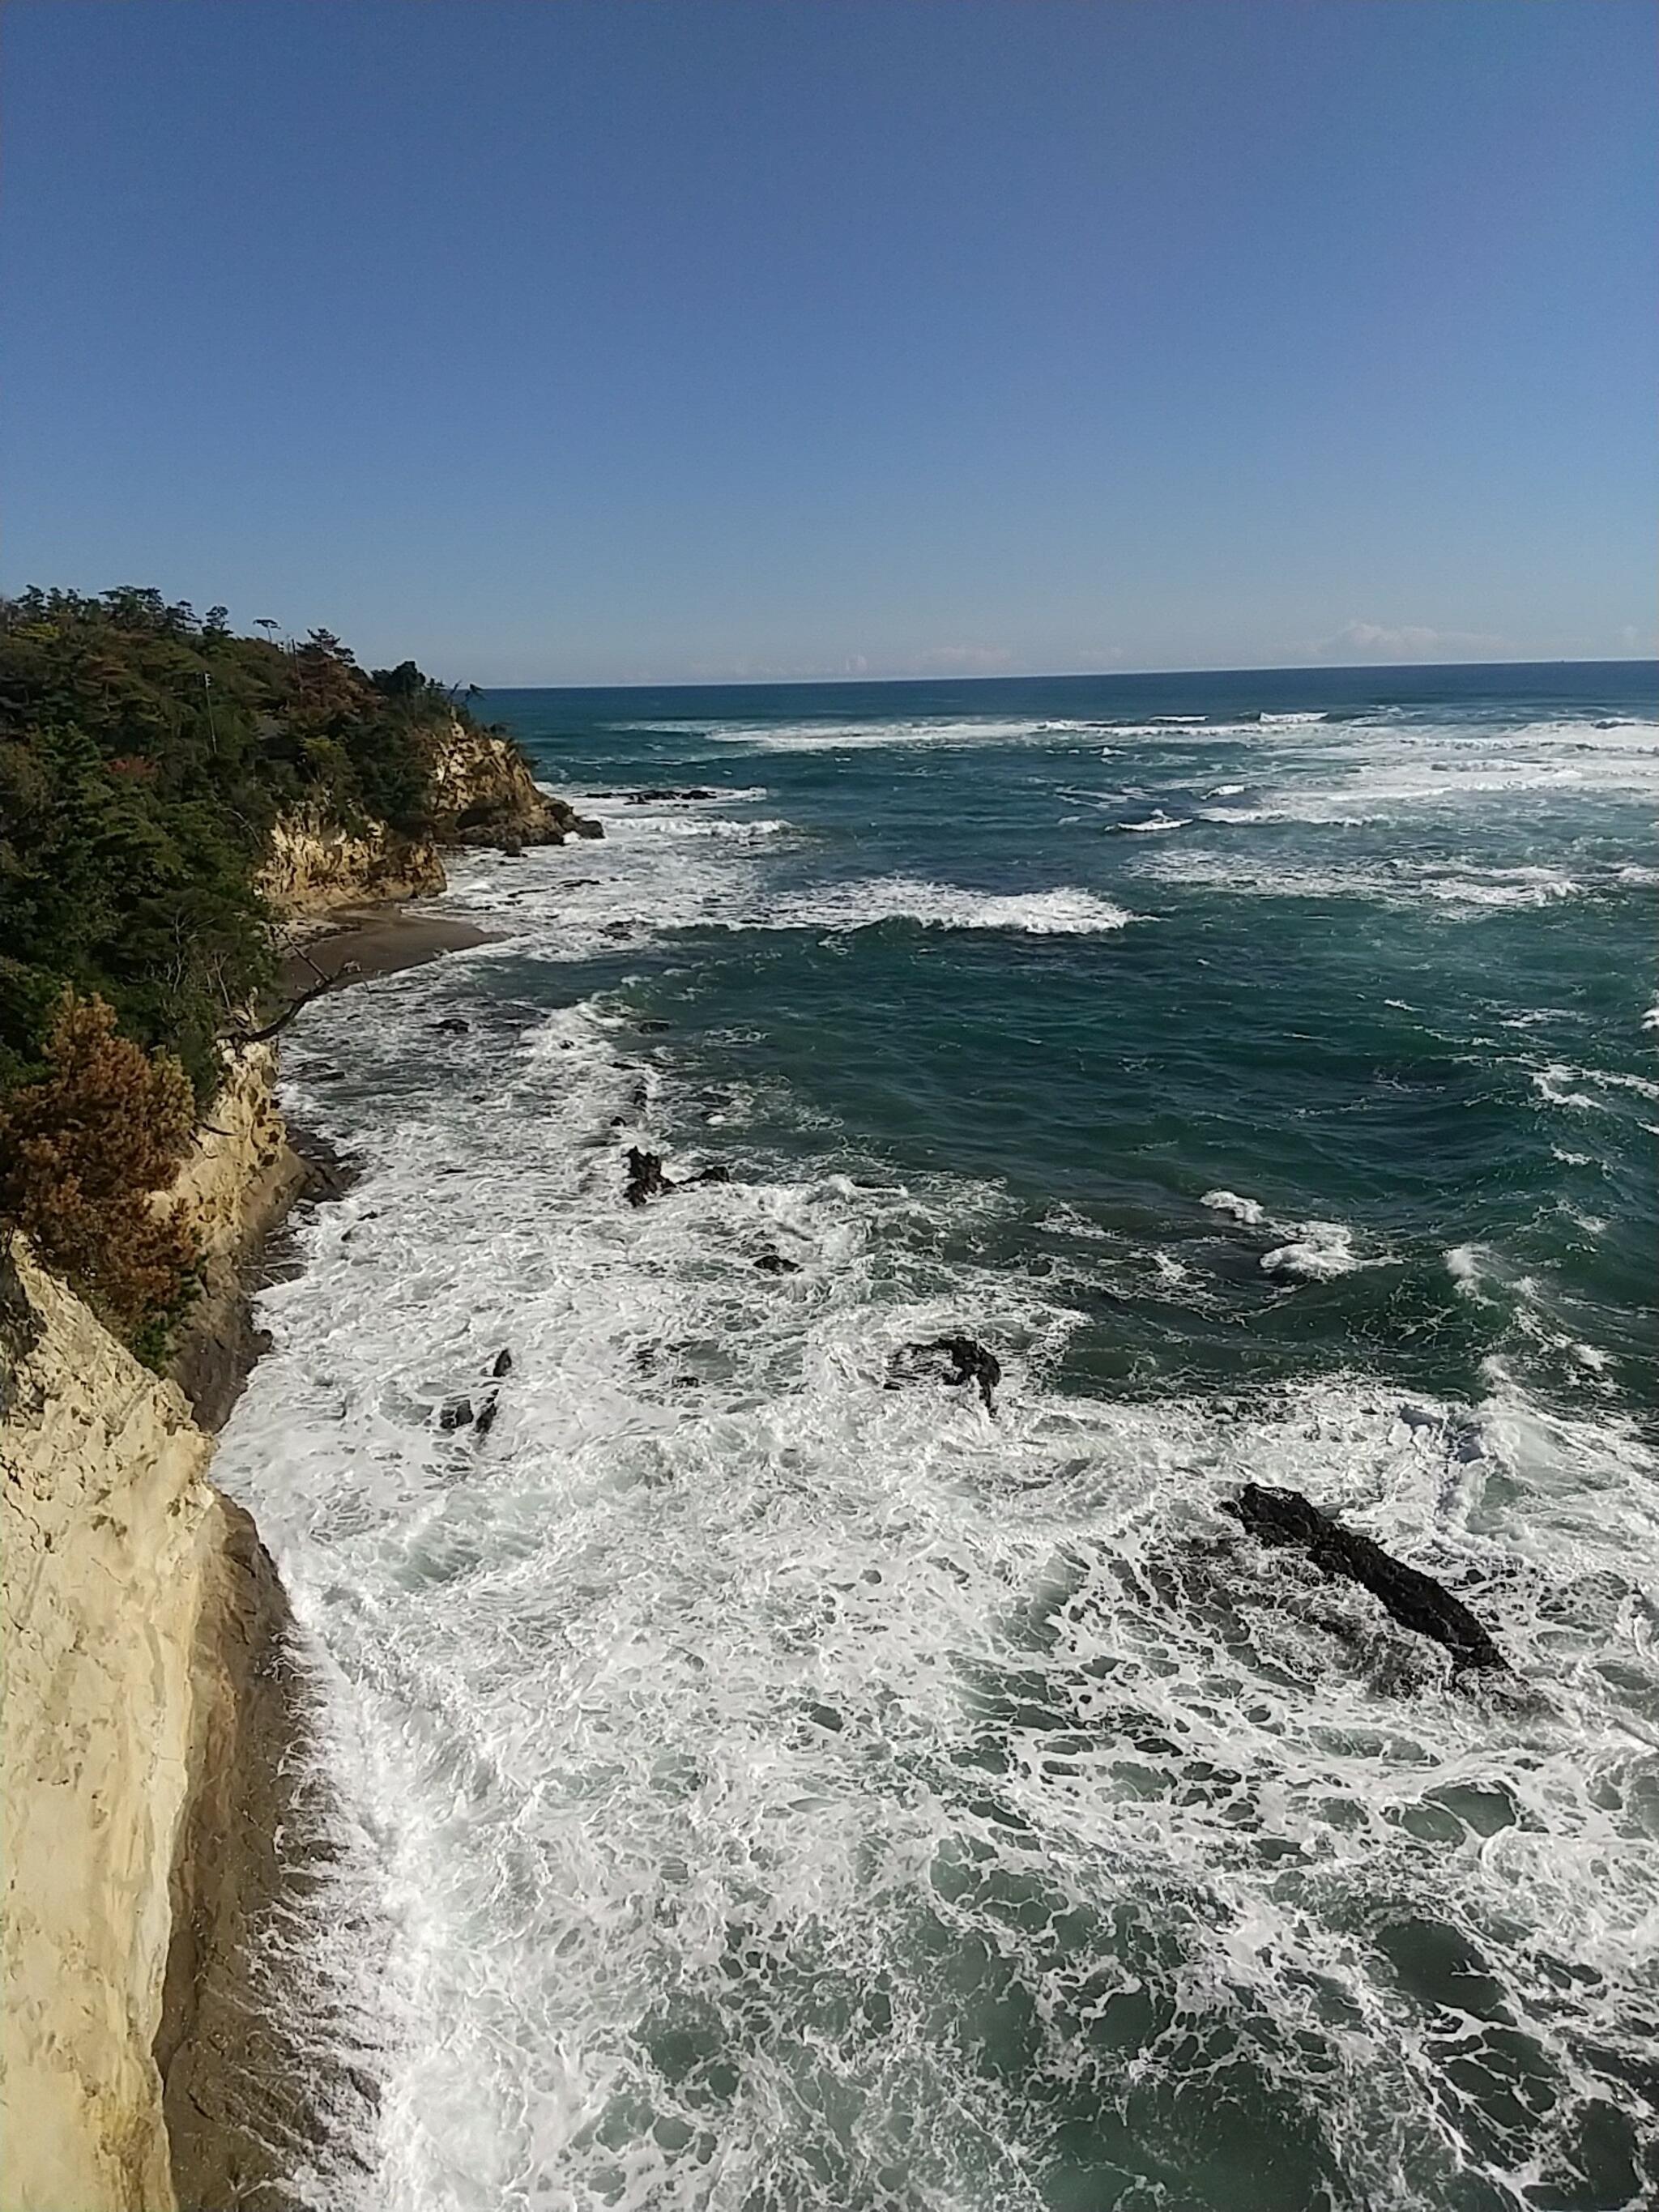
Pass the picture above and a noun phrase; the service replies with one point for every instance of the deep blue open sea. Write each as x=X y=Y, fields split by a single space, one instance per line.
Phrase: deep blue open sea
x=769 y=1790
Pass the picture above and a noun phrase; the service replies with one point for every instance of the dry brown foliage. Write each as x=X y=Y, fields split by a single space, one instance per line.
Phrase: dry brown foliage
x=81 y=1152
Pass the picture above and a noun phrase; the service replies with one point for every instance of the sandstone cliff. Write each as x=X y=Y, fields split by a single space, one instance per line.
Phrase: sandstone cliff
x=315 y=865
x=480 y=792
x=483 y=793
x=109 y=1524
x=151 y=1712
x=239 y=1179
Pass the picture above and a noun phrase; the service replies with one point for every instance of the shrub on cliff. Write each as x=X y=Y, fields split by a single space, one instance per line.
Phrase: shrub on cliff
x=82 y=1150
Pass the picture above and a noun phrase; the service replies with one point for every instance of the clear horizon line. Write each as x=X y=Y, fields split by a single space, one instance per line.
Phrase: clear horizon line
x=1079 y=676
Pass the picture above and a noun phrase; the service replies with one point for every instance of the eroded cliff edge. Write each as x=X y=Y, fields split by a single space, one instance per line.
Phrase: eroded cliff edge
x=161 y=1812
x=152 y=1712
x=110 y=1525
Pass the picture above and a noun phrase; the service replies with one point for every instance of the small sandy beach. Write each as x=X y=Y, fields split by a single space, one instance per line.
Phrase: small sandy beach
x=359 y=943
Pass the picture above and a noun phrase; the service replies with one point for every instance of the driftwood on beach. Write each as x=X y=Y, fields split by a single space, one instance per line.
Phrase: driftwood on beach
x=1416 y=1601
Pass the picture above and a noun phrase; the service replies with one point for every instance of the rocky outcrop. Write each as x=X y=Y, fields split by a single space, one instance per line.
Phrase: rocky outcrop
x=240 y=1180
x=1415 y=1600
x=314 y=865
x=964 y=1361
x=109 y=1525
x=483 y=794
x=480 y=792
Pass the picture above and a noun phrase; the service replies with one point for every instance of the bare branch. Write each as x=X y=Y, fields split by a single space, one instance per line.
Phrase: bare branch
x=241 y=1038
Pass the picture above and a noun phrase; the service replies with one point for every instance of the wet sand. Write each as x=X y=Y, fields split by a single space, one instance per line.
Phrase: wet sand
x=357 y=944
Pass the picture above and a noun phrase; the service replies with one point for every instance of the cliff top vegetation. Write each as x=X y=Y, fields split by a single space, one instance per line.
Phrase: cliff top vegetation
x=144 y=753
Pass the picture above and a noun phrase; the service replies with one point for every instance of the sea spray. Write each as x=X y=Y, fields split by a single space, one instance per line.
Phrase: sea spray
x=781 y=1789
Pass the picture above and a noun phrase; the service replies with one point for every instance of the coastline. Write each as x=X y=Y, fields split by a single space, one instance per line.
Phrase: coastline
x=356 y=944
x=245 y=2097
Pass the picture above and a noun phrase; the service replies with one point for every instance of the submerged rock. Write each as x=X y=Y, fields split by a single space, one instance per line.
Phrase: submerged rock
x=455 y=1414
x=1415 y=1600
x=645 y=1176
x=503 y=1363
x=773 y=1263
x=487 y=1414
x=969 y=1362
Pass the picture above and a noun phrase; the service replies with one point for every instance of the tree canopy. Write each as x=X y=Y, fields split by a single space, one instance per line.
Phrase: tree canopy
x=145 y=754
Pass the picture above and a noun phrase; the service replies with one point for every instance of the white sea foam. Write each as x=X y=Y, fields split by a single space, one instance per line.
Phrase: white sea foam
x=737 y=1746
x=1456 y=885
x=1311 y=1251
x=1559 y=1083
x=720 y=1691
x=1157 y=820
x=655 y=1702
x=1469 y=1266
x=675 y=825
x=1249 y=1211
x=1066 y=911
x=919 y=733
x=1320 y=1251
x=1359 y=772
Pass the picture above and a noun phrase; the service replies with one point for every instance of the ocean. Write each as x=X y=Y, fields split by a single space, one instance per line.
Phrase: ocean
x=769 y=1779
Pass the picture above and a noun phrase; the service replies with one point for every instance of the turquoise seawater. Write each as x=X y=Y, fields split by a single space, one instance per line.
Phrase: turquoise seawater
x=767 y=1788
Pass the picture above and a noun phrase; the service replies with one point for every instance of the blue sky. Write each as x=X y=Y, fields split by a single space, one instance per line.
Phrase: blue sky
x=657 y=339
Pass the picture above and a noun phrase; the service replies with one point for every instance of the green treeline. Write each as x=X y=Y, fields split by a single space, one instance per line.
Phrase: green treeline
x=145 y=754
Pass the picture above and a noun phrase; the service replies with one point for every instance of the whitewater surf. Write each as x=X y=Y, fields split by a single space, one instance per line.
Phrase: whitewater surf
x=770 y=1779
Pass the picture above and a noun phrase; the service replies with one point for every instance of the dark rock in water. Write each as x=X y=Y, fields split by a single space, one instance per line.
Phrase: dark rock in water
x=645 y=1176
x=773 y=1263
x=503 y=1363
x=1416 y=1601
x=657 y=797
x=653 y=1027
x=969 y=1362
x=646 y=1180
x=452 y=1025
x=455 y=1414
x=487 y=1414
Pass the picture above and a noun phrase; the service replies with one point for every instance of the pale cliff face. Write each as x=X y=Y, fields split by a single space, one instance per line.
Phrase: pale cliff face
x=483 y=793
x=239 y=1178
x=480 y=792
x=314 y=866
x=242 y=1140
x=108 y=1523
